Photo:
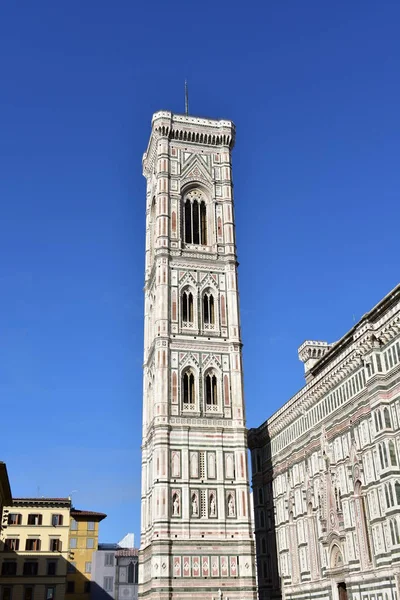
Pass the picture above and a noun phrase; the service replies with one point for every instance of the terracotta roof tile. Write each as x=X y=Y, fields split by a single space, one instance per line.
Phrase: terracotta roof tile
x=88 y=513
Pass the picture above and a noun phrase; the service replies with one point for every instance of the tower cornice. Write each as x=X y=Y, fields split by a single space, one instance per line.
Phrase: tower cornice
x=218 y=133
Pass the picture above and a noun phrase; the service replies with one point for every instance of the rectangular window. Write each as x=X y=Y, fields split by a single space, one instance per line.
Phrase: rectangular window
x=378 y=363
x=56 y=520
x=72 y=542
x=30 y=567
x=9 y=567
x=108 y=560
x=90 y=525
x=70 y=587
x=88 y=567
x=28 y=593
x=90 y=543
x=86 y=587
x=71 y=567
x=14 y=519
x=74 y=525
x=50 y=593
x=55 y=545
x=6 y=593
x=32 y=544
x=34 y=519
x=108 y=584
x=52 y=567
x=11 y=544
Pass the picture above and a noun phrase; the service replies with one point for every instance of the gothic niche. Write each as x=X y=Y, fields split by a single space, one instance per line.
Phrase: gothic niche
x=195 y=505
x=230 y=505
x=176 y=506
x=213 y=506
x=194 y=218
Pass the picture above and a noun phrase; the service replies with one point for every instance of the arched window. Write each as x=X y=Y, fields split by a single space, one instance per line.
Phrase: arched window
x=387 y=496
x=188 y=390
x=391 y=494
x=211 y=390
x=380 y=419
x=376 y=421
x=381 y=456
x=187 y=307
x=386 y=416
x=392 y=453
x=208 y=309
x=397 y=489
x=394 y=531
x=131 y=572
x=195 y=219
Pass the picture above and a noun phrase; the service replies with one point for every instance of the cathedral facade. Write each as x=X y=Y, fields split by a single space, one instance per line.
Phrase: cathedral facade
x=196 y=531
x=326 y=471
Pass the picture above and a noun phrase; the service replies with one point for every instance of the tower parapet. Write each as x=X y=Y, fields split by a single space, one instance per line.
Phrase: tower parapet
x=310 y=352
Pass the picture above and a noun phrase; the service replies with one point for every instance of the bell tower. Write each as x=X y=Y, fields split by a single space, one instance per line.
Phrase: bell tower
x=196 y=533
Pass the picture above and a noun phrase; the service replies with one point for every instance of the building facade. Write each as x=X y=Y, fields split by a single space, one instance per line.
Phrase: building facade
x=5 y=494
x=326 y=470
x=115 y=572
x=34 y=540
x=83 y=542
x=196 y=535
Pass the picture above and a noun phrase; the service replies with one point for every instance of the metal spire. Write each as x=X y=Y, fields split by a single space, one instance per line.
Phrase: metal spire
x=186 y=98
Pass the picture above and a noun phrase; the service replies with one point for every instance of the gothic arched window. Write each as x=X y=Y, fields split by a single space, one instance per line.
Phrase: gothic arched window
x=208 y=309
x=195 y=219
x=188 y=390
x=394 y=530
x=390 y=492
x=131 y=572
x=397 y=489
x=386 y=416
x=380 y=419
x=383 y=456
x=392 y=453
x=376 y=422
x=187 y=306
x=211 y=390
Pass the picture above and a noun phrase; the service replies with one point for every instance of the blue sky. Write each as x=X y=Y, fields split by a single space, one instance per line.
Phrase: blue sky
x=314 y=90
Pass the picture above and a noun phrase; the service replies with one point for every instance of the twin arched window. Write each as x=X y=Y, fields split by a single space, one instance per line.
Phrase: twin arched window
x=189 y=390
x=383 y=455
x=208 y=306
x=195 y=221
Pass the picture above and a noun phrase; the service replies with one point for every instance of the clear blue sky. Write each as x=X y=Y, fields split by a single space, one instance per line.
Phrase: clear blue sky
x=314 y=90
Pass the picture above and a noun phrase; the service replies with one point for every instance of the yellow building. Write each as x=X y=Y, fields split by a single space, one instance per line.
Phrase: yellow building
x=83 y=541
x=35 y=538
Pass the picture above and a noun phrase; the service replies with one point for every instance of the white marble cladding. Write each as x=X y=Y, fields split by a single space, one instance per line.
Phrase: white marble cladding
x=326 y=472
x=195 y=488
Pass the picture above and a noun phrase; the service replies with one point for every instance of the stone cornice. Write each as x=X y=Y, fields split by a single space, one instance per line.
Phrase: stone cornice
x=187 y=129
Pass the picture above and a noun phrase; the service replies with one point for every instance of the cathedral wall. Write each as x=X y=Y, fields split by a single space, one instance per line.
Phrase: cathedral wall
x=326 y=473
